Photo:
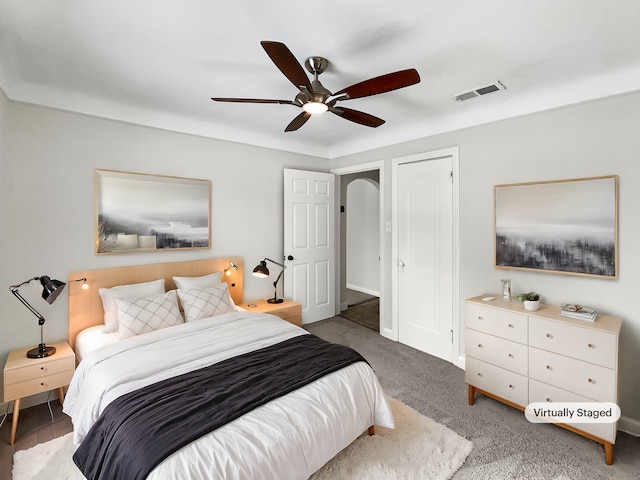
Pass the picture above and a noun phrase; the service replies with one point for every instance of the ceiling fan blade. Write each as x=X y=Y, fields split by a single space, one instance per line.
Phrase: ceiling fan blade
x=297 y=122
x=287 y=63
x=252 y=100
x=382 y=84
x=357 y=117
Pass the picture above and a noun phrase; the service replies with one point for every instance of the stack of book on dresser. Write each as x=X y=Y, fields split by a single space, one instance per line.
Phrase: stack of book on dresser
x=578 y=312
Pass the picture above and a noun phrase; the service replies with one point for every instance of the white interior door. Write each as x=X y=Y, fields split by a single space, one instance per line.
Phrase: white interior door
x=309 y=249
x=425 y=255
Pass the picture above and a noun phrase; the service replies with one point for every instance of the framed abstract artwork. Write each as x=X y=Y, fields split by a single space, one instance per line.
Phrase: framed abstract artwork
x=564 y=226
x=138 y=212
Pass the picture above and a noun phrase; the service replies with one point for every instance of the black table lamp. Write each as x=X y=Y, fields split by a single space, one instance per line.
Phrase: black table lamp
x=50 y=291
x=262 y=271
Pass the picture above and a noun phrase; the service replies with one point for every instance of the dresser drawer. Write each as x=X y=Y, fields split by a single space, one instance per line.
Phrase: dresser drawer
x=497 y=351
x=592 y=381
x=37 y=385
x=501 y=323
x=30 y=372
x=588 y=344
x=498 y=381
x=541 y=392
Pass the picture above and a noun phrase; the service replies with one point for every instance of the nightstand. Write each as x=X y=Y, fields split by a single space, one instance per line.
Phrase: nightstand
x=28 y=376
x=287 y=310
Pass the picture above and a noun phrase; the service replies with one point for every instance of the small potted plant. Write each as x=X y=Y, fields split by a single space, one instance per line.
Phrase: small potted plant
x=531 y=301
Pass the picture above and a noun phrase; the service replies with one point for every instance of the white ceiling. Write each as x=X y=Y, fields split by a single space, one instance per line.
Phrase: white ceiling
x=158 y=62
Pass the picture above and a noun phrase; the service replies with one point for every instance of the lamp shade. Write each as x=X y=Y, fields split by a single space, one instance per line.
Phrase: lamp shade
x=51 y=289
x=261 y=270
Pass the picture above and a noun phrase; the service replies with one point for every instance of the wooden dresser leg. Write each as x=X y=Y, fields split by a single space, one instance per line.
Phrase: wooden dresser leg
x=372 y=430
x=472 y=394
x=14 y=422
x=608 y=453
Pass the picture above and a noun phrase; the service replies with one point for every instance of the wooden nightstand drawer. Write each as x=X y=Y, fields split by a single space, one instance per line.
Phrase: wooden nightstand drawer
x=32 y=372
x=287 y=310
x=37 y=385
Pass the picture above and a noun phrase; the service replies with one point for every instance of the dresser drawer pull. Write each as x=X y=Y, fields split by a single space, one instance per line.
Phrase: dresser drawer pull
x=548 y=399
x=548 y=335
x=510 y=355
x=511 y=386
x=479 y=345
x=590 y=380
x=590 y=345
x=511 y=325
x=479 y=374
x=480 y=317
x=548 y=367
x=41 y=368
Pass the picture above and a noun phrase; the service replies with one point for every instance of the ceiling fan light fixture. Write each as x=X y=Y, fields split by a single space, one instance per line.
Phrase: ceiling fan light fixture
x=315 y=107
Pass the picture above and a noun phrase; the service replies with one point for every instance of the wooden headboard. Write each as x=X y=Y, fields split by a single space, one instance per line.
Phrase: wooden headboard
x=85 y=306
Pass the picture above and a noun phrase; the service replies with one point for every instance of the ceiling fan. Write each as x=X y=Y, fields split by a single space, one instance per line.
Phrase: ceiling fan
x=315 y=98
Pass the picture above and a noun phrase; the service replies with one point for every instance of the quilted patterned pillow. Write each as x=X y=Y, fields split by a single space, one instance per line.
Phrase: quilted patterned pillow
x=205 y=302
x=147 y=314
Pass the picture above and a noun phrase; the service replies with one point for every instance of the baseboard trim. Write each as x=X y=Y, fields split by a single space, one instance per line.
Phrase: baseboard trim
x=629 y=425
x=363 y=290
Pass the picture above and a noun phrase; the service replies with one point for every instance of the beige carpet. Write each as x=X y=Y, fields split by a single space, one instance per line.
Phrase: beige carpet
x=418 y=448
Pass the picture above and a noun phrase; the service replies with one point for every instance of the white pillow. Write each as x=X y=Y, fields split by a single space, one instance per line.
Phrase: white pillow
x=188 y=283
x=135 y=290
x=205 y=302
x=147 y=314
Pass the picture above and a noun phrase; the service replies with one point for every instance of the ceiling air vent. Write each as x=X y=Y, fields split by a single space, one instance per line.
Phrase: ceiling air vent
x=477 y=92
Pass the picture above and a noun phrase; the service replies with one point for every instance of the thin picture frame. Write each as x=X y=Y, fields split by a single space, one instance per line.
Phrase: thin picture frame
x=137 y=212
x=561 y=226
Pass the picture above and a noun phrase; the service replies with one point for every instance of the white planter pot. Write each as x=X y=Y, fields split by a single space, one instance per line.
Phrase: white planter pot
x=531 y=305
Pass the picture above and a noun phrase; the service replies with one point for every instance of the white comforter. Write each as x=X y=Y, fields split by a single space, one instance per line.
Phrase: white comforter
x=288 y=438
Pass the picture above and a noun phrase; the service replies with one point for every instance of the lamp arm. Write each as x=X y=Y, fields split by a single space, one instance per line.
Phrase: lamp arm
x=16 y=293
x=272 y=261
x=275 y=284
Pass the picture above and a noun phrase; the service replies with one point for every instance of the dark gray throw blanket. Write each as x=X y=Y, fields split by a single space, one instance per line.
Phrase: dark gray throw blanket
x=138 y=430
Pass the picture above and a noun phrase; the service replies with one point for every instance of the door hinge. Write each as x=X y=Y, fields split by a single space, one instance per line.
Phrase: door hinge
x=451 y=176
x=451 y=336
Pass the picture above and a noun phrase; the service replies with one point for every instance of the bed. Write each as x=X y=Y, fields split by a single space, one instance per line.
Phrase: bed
x=272 y=434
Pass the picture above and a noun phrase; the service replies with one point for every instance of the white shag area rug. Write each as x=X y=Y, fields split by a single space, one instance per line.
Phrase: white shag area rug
x=418 y=448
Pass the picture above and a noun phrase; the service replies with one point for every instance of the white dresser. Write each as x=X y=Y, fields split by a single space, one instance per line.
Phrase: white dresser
x=519 y=357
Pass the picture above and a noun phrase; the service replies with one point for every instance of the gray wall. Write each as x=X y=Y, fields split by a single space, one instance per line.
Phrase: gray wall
x=596 y=138
x=47 y=164
x=47 y=159
x=363 y=236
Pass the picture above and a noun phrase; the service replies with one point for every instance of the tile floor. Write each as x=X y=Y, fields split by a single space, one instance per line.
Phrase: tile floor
x=34 y=426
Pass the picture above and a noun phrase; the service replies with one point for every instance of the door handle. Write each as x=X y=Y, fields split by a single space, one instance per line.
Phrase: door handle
x=289 y=257
x=401 y=264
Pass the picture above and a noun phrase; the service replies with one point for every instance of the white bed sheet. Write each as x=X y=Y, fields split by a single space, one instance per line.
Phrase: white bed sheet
x=288 y=438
